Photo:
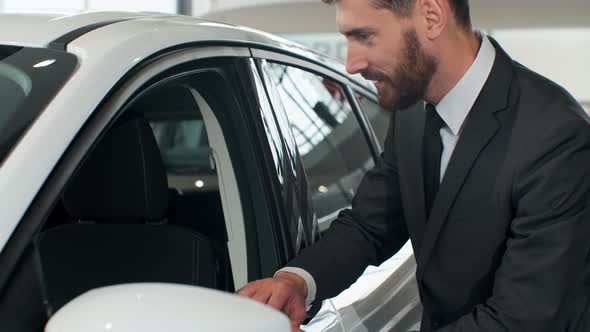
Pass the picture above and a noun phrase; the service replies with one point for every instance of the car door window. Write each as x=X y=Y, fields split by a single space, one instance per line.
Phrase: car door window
x=332 y=146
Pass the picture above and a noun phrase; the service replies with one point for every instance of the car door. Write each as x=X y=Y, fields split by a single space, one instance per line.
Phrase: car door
x=321 y=108
x=315 y=112
x=290 y=219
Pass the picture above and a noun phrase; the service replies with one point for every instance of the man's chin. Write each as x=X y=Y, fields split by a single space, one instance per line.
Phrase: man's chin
x=406 y=102
x=387 y=102
x=391 y=105
x=391 y=102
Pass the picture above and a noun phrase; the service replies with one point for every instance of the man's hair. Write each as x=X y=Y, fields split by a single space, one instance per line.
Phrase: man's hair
x=404 y=8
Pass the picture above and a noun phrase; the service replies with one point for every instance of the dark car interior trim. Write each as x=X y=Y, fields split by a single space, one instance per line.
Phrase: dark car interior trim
x=367 y=129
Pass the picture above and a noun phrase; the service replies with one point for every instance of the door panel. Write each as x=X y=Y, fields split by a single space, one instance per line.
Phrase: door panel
x=334 y=149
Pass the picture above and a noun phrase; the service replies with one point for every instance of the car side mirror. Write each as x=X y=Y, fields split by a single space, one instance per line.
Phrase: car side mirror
x=156 y=307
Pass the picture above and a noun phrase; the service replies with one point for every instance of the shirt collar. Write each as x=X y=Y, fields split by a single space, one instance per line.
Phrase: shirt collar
x=455 y=106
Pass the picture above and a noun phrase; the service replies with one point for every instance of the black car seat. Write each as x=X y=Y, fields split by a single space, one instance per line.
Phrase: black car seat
x=200 y=210
x=119 y=200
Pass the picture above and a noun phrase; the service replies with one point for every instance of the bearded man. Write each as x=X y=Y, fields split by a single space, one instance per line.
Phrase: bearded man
x=490 y=180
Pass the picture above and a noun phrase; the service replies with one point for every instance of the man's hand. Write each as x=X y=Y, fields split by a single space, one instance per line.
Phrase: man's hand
x=285 y=292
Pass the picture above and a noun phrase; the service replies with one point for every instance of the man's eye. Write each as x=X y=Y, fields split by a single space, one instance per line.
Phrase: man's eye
x=363 y=37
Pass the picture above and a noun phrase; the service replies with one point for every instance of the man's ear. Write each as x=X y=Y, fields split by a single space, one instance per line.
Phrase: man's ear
x=434 y=15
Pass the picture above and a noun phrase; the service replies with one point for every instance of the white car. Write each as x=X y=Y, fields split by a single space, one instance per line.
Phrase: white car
x=145 y=158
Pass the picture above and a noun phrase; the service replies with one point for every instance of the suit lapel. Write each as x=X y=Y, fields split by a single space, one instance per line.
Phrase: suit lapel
x=480 y=127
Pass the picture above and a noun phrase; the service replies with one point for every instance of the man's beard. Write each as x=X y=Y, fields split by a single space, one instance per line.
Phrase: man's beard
x=411 y=76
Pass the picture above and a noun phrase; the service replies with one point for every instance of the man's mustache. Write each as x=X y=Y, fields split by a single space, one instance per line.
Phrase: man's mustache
x=374 y=76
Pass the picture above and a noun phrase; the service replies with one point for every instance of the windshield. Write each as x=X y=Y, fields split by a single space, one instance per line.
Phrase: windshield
x=29 y=79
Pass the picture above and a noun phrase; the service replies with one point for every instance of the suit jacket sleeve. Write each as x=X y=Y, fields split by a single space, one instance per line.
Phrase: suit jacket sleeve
x=540 y=284
x=368 y=233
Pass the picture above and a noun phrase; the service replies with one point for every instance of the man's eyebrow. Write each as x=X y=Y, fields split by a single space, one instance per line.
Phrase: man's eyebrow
x=357 y=31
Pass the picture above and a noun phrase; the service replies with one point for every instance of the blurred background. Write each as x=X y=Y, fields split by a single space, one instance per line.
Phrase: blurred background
x=551 y=37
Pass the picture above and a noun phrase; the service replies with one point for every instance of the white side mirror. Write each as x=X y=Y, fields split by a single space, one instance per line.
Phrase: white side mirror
x=153 y=307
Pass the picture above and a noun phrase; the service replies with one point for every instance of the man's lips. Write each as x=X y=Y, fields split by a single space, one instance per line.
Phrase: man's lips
x=378 y=80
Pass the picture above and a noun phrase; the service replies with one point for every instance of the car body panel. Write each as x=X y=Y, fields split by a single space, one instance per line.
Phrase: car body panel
x=39 y=30
x=385 y=298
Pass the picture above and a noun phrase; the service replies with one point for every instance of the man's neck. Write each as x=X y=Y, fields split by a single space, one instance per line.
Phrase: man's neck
x=454 y=59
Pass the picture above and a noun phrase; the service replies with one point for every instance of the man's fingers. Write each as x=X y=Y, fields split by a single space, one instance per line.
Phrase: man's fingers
x=278 y=300
x=262 y=295
x=279 y=293
x=248 y=290
x=295 y=310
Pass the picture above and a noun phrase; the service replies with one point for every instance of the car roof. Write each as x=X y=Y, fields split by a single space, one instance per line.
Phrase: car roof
x=38 y=30
x=43 y=30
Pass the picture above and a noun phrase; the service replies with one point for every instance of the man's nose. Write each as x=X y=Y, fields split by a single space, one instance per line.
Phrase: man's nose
x=355 y=62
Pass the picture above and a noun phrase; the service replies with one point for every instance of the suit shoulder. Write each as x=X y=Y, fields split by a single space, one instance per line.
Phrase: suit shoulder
x=546 y=100
x=547 y=117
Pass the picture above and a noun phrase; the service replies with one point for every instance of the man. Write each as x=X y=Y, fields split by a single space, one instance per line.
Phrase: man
x=491 y=181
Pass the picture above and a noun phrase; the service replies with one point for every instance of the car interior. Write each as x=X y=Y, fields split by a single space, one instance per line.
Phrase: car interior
x=144 y=206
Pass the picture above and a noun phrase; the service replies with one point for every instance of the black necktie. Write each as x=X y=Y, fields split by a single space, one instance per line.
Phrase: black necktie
x=431 y=153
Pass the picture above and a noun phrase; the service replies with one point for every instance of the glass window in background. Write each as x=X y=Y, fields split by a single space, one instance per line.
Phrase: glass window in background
x=184 y=145
x=32 y=6
x=559 y=54
x=163 y=6
x=330 y=44
x=74 y=6
x=333 y=148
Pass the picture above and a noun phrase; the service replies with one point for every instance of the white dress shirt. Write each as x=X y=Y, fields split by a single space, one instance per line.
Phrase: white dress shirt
x=453 y=109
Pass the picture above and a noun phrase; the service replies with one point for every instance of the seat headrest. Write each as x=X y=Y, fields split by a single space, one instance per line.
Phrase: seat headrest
x=123 y=179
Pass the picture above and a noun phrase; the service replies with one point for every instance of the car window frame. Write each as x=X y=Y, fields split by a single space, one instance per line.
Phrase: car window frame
x=351 y=91
x=321 y=222
x=349 y=85
x=345 y=82
x=280 y=163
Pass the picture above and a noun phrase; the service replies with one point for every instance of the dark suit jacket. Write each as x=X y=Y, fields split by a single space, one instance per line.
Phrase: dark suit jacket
x=507 y=244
